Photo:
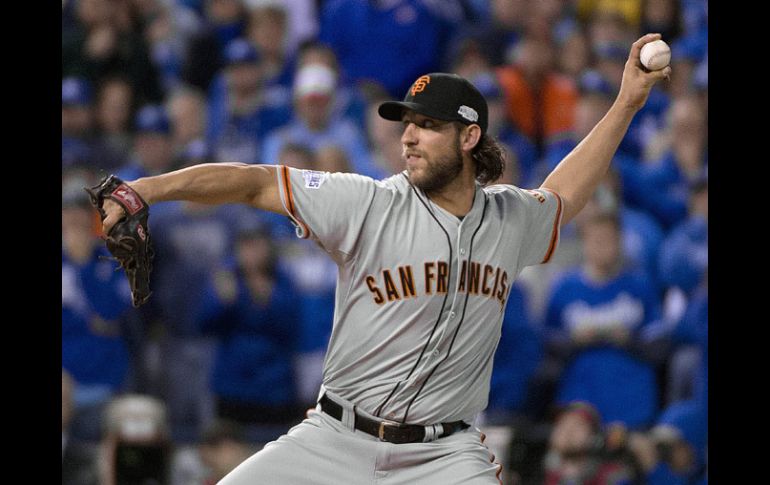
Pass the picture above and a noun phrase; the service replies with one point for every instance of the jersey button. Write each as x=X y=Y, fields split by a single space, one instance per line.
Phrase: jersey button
x=436 y=352
x=452 y=314
x=462 y=250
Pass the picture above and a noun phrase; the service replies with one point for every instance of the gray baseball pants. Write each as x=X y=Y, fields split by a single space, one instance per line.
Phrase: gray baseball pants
x=324 y=451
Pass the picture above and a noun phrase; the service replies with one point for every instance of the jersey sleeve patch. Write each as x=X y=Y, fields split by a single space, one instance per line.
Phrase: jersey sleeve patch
x=314 y=179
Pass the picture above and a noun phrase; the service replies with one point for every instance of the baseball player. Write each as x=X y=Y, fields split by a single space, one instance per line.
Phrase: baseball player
x=426 y=259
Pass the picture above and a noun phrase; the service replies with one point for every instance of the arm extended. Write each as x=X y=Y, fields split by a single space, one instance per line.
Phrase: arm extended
x=208 y=183
x=578 y=175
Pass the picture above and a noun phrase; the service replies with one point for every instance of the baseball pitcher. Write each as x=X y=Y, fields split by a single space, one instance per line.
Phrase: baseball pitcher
x=426 y=261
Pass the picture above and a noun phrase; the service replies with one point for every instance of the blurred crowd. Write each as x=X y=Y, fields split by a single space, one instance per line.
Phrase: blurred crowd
x=602 y=366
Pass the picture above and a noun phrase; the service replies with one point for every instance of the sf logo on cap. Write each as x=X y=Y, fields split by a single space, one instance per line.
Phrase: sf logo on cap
x=420 y=84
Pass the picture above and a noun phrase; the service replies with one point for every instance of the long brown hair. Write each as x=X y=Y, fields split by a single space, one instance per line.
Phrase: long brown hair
x=489 y=156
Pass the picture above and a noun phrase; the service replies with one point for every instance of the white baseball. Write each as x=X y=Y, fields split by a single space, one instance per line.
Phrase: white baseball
x=655 y=55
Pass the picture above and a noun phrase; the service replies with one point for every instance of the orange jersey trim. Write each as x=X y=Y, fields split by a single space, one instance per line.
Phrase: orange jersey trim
x=555 y=230
x=289 y=198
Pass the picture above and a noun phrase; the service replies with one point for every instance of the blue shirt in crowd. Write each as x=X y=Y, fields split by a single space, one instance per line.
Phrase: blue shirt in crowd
x=257 y=342
x=683 y=258
x=94 y=298
x=693 y=328
x=620 y=385
x=660 y=189
x=642 y=236
x=518 y=356
x=238 y=137
x=390 y=42
x=189 y=244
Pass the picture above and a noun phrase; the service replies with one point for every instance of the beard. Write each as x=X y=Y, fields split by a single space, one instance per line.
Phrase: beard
x=440 y=172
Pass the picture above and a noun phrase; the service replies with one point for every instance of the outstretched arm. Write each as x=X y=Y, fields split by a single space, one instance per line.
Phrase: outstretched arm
x=208 y=183
x=578 y=175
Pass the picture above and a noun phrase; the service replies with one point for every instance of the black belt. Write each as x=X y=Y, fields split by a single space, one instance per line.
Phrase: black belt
x=386 y=430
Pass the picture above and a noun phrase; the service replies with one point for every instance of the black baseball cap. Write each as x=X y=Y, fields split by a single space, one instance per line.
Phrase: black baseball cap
x=442 y=96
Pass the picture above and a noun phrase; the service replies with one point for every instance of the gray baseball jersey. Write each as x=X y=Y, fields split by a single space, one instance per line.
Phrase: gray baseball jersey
x=420 y=293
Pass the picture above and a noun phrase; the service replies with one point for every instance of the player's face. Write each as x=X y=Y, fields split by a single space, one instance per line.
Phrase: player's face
x=431 y=149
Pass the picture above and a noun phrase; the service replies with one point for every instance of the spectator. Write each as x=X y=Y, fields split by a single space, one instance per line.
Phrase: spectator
x=609 y=22
x=153 y=150
x=168 y=28
x=684 y=253
x=350 y=98
x=660 y=187
x=576 y=447
x=252 y=310
x=663 y=17
x=518 y=356
x=470 y=60
x=297 y=155
x=106 y=42
x=79 y=143
x=574 y=53
x=301 y=21
x=686 y=54
x=498 y=32
x=674 y=451
x=596 y=94
x=137 y=446
x=332 y=159
x=688 y=364
x=684 y=266
x=540 y=101
x=224 y=21
x=196 y=152
x=384 y=138
x=190 y=241
x=114 y=111
x=222 y=448
x=608 y=60
x=78 y=458
x=694 y=14
x=390 y=42
x=94 y=300
x=241 y=112
x=595 y=320
x=314 y=123
x=267 y=30
x=76 y=122
x=642 y=235
x=186 y=107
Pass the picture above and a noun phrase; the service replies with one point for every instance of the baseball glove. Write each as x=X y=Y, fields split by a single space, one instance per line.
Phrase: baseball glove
x=129 y=239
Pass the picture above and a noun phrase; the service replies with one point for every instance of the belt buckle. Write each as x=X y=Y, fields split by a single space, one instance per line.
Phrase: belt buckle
x=381 y=429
